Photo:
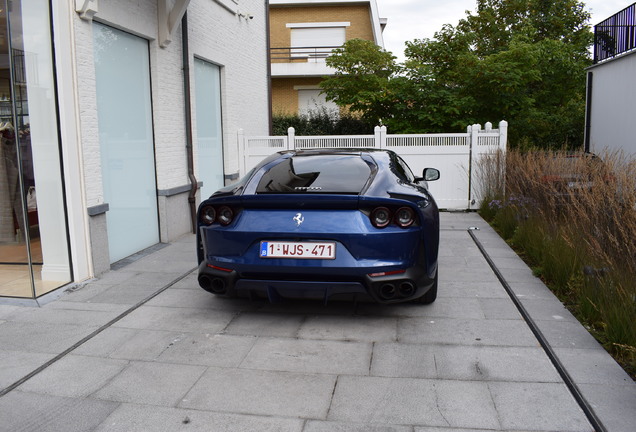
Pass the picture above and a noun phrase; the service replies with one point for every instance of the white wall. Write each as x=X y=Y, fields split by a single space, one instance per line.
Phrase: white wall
x=613 y=108
x=236 y=43
x=239 y=46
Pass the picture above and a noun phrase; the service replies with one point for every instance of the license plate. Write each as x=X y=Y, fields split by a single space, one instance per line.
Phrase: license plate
x=298 y=250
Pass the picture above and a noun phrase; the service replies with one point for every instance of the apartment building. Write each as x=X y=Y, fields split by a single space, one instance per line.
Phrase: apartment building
x=302 y=35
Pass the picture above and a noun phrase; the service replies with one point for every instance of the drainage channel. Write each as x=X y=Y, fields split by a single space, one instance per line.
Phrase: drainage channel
x=93 y=334
x=567 y=379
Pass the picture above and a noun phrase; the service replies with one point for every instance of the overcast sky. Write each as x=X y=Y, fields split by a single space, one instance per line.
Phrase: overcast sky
x=418 y=19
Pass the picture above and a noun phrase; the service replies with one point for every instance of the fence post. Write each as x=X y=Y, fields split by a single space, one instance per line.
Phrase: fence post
x=503 y=147
x=379 y=135
x=503 y=135
x=488 y=127
x=382 y=137
x=472 y=158
x=242 y=149
x=291 y=141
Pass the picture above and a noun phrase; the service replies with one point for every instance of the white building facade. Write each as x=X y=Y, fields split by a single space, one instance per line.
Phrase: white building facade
x=611 y=86
x=119 y=116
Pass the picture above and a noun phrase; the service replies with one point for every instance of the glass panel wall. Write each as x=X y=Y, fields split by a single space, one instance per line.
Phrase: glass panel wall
x=124 y=110
x=207 y=78
x=34 y=252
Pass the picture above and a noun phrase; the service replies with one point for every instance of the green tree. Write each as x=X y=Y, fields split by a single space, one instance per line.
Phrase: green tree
x=519 y=60
x=362 y=81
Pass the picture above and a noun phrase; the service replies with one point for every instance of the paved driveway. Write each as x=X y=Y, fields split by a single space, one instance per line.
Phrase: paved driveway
x=186 y=360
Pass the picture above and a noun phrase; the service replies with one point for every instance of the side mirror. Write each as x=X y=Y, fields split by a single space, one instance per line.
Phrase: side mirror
x=430 y=174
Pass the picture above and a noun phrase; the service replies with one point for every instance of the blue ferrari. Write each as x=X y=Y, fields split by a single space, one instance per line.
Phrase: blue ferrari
x=322 y=224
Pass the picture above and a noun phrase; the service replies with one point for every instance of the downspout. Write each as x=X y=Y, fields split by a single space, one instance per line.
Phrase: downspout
x=588 y=112
x=269 y=67
x=194 y=184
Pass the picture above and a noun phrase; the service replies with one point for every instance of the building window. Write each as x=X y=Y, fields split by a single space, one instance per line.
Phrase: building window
x=312 y=101
x=316 y=41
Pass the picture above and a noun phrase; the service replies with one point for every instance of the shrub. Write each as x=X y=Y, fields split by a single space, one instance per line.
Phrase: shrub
x=320 y=122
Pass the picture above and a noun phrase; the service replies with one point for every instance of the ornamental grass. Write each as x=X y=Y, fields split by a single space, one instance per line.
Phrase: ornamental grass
x=573 y=219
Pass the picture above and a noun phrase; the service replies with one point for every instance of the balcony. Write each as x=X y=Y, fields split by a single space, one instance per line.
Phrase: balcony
x=301 y=61
x=616 y=35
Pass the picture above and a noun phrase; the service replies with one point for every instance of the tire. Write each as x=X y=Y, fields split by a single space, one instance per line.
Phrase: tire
x=431 y=294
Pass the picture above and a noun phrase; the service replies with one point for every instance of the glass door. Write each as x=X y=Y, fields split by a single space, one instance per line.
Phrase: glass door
x=34 y=252
x=207 y=78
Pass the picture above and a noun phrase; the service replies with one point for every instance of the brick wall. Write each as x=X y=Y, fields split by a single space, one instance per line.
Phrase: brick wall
x=284 y=97
x=359 y=16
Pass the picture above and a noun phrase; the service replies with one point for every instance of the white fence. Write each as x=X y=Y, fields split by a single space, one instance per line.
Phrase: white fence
x=455 y=155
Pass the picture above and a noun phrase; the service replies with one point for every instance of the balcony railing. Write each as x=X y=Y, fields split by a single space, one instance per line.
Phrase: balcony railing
x=301 y=54
x=616 y=35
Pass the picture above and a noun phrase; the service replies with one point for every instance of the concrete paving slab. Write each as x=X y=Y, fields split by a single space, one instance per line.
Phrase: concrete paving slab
x=188 y=283
x=145 y=345
x=74 y=376
x=141 y=418
x=547 y=310
x=349 y=328
x=490 y=289
x=322 y=426
x=520 y=275
x=265 y=324
x=443 y=307
x=280 y=394
x=190 y=320
x=467 y=363
x=125 y=295
x=567 y=334
x=436 y=429
x=537 y=406
x=408 y=401
x=208 y=350
x=106 y=342
x=533 y=290
x=16 y=364
x=21 y=411
x=466 y=275
x=44 y=316
x=151 y=383
x=41 y=338
x=593 y=366
x=499 y=309
x=198 y=299
x=7 y=310
x=614 y=403
x=84 y=306
x=465 y=332
x=310 y=356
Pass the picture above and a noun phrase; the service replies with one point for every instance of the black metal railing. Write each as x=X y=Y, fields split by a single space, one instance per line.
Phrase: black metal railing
x=615 y=35
x=300 y=54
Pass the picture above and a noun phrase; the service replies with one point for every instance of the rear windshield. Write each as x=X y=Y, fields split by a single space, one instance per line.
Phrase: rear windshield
x=341 y=174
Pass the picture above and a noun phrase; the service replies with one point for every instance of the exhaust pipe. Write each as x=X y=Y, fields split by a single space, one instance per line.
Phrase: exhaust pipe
x=407 y=289
x=213 y=285
x=387 y=291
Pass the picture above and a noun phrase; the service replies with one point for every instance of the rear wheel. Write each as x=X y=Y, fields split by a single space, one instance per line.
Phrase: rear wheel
x=431 y=294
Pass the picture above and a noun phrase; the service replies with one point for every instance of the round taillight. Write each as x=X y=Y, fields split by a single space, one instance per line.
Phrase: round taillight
x=225 y=215
x=380 y=217
x=207 y=215
x=404 y=217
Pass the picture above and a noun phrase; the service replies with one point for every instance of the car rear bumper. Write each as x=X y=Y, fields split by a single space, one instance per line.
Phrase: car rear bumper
x=407 y=285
